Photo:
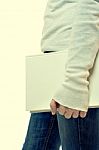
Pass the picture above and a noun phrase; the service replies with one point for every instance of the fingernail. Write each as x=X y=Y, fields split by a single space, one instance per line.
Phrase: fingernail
x=83 y=116
x=53 y=113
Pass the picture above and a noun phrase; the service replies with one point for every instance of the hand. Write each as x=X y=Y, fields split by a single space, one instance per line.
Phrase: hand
x=67 y=112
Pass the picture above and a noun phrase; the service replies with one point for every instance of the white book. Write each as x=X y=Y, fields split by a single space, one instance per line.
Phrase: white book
x=45 y=72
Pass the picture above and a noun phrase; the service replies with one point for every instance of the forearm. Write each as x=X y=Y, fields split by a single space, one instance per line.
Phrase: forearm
x=84 y=44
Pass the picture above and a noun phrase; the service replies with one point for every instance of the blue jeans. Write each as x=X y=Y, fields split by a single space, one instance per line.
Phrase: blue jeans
x=45 y=131
x=80 y=133
x=42 y=133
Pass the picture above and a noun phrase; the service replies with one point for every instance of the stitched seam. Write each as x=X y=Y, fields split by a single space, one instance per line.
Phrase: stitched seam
x=79 y=135
x=49 y=132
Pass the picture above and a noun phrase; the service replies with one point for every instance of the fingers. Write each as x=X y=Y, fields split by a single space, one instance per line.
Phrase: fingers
x=83 y=114
x=68 y=112
x=61 y=110
x=65 y=111
x=75 y=114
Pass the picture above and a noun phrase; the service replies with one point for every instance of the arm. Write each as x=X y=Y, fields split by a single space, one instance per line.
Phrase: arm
x=83 y=47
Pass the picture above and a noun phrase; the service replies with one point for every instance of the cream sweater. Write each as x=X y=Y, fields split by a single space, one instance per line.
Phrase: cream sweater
x=73 y=25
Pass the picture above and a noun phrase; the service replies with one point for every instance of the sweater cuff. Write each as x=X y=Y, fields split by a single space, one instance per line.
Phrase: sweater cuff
x=71 y=98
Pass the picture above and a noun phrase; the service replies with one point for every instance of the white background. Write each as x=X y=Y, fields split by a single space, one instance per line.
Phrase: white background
x=21 y=25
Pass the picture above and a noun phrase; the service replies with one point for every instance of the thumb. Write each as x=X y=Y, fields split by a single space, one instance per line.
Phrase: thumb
x=53 y=106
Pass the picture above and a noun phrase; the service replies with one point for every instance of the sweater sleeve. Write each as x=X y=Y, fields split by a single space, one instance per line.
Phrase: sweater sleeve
x=82 y=50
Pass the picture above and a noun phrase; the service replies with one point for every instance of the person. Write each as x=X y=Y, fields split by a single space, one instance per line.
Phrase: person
x=77 y=133
x=72 y=26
